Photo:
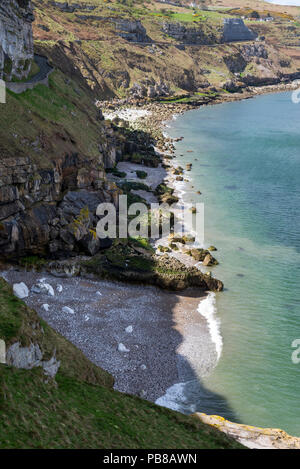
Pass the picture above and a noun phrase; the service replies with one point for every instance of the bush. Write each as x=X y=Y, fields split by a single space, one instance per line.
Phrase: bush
x=141 y=174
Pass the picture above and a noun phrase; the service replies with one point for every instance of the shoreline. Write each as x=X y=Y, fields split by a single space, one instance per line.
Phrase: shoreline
x=155 y=119
x=188 y=355
x=185 y=324
x=152 y=115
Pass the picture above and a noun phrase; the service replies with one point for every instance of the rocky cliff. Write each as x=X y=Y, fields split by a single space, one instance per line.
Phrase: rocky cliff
x=188 y=35
x=35 y=216
x=131 y=30
x=252 y=437
x=234 y=29
x=16 y=43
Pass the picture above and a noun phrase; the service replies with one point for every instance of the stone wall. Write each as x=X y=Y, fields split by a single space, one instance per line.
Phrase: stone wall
x=16 y=42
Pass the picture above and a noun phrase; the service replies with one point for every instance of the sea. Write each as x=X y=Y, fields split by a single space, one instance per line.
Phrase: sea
x=245 y=159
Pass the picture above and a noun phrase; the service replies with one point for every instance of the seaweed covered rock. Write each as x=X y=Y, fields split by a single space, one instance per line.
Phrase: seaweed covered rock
x=123 y=262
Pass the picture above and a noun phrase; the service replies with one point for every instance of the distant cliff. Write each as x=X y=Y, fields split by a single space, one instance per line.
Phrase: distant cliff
x=16 y=42
x=234 y=29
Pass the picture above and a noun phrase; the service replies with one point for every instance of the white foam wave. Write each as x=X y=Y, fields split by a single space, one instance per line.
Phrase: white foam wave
x=208 y=309
x=175 y=398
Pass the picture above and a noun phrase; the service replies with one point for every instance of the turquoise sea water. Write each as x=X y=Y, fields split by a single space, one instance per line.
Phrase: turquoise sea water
x=246 y=163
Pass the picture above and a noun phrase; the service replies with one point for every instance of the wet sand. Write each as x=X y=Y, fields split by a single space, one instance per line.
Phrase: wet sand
x=169 y=342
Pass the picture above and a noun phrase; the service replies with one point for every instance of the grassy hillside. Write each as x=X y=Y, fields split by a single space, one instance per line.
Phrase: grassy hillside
x=80 y=409
x=111 y=65
x=46 y=122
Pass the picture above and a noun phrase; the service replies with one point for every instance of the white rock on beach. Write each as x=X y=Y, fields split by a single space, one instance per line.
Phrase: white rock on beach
x=20 y=290
x=122 y=348
x=98 y=293
x=46 y=307
x=68 y=310
x=129 y=114
x=59 y=288
x=129 y=329
x=143 y=367
x=42 y=287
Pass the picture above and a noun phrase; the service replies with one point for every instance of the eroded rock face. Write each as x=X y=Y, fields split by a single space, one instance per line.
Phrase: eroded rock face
x=36 y=219
x=254 y=50
x=31 y=357
x=16 y=42
x=149 y=88
x=131 y=30
x=234 y=29
x=187 y=35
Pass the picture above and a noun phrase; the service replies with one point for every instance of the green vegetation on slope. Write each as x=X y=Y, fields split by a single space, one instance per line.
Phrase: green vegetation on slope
x=46 y=122
x=80 y=409
x=75 y=414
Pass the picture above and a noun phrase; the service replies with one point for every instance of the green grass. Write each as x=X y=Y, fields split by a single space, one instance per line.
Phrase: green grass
x=133 y=185
x=36 y=262
x=11 y=313
x=48 y=102
x=75 y=414
x=62 y=117
x=116 y=172
x=143 y=243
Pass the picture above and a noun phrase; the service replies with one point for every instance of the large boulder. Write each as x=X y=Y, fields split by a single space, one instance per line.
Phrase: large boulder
x=20 y=290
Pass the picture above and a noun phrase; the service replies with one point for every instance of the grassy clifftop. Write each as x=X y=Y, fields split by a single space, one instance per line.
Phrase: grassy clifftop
x=94 y=38
x=80 y=409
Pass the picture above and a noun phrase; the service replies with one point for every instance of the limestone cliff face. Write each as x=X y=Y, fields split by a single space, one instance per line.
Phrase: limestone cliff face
x=188 y=35
x=16 y=43
x=131 y=30
x=235 y=30
x=252 y=437
x=39 y=207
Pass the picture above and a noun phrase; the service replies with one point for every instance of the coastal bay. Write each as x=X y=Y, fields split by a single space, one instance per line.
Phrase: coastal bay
x=247 y=169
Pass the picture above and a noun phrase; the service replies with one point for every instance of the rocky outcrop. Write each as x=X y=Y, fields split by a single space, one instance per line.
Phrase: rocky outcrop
x=235 y=63
x=234 y=29
x=150 y=89
x=252 y=437
x=70 y=8
x=188 y=35
x=31 y=357
x=125 y=263
x=233 y=86
x=16 y=43
x=254 y=50
x=36 y=218
x=131 y=30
